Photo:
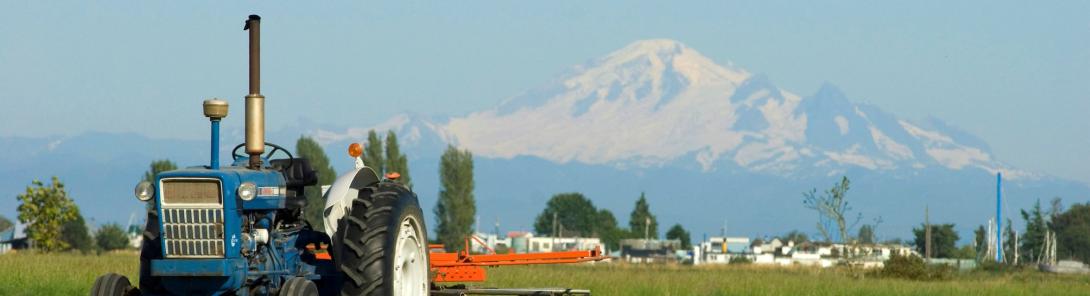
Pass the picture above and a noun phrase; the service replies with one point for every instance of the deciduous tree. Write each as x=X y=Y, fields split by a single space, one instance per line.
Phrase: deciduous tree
x=157 y=167
x=607 y=229
x=456 y=207
x=307 y=148
x=796 y=236
x=5 y=223
x=866 y=234
x=373 y=154
x=1073 y=233
x=832 y=208
x=75 y=234
x=679 y=233
x=943 y=240
x=45 y=209
x=575 y=216
x=111 y=237
x=395 y=161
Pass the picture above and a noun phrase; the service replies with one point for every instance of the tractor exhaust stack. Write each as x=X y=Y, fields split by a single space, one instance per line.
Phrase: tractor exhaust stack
x=255 y=102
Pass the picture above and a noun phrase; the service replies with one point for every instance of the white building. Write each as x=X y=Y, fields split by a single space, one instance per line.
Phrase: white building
x=720 y=250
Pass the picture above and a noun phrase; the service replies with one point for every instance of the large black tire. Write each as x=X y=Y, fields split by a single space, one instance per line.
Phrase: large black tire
x=112 y=284
x=368 y=248
x=150 y=249
x=298 y=286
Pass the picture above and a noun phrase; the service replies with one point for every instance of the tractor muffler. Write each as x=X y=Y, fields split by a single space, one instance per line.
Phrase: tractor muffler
x=255 y=102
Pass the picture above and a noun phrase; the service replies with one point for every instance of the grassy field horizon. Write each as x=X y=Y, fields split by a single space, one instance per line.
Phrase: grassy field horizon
x=29 y=273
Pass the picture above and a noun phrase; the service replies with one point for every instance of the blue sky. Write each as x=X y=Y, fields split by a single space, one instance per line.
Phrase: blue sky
x=1014 y=73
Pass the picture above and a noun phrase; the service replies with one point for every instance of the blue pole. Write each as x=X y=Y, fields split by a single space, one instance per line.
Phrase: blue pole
x=215 y=144
x=998 y=217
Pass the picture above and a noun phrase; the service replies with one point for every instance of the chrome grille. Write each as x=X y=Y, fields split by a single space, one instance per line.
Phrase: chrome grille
x=193 y=233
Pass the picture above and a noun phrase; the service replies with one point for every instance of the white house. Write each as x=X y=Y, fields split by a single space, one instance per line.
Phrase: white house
x=720 y=250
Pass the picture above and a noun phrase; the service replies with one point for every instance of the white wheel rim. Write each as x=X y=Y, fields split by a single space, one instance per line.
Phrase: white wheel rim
x=410 y=263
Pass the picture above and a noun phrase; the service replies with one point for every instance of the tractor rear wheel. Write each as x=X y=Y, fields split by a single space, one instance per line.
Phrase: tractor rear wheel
x=112 y=284
x=384 y=247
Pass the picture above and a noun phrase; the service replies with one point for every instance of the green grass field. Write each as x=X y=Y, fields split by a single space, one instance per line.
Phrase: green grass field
x=71 y=274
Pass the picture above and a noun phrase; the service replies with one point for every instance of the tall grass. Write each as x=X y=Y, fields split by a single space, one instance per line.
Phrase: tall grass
x=72 y=274
x=604 y=279
x=27 y=273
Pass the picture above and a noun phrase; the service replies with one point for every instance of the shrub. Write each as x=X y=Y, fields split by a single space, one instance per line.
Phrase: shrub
x=740 y=260
x=914 y=268
x=110 y=237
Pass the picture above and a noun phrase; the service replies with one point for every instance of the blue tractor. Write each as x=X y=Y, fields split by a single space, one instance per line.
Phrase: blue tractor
x=239 y=229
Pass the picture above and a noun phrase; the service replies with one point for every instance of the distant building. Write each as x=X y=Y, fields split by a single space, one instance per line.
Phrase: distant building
x=14 y=238
x=649 y=250
x=720 y=250
x=525 y=242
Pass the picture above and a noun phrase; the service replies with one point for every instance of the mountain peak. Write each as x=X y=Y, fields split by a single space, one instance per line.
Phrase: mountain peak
x=653 y=47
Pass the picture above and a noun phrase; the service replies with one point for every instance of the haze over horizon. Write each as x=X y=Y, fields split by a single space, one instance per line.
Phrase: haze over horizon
x=1012 y=73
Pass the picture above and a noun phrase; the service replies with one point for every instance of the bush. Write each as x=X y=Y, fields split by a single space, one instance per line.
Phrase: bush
x=914 y=268
x=739 y=259
x=996 y=267
x=110 y=237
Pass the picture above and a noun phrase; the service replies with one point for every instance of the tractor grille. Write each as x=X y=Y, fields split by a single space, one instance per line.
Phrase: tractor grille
x=193 y=233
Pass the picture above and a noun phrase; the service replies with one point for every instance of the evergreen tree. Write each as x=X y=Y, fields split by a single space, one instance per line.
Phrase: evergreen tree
x=307 y=148
x=111 y=237
x=1009 y=248
x=1032 y=241
x=372 y=153
x=45 y=209
x=575 y=216
x=641 y=214
x=679 y=233
x=75 y=234
x=395 y=161
x=979 y=235
x=456 y=207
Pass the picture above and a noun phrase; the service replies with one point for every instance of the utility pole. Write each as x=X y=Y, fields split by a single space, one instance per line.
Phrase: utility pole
x=555 y=233
x=998 y=217
x=927 y=232
x=647 y=228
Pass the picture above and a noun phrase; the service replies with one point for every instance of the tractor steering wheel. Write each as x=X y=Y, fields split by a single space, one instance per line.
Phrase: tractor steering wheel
x=291 y=158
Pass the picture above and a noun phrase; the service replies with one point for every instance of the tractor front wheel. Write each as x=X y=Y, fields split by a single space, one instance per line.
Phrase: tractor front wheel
x=112 y=284
x=384 y=247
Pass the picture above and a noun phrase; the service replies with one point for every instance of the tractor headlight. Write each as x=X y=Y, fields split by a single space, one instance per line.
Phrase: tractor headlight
x=247 y=191
x=144 y=191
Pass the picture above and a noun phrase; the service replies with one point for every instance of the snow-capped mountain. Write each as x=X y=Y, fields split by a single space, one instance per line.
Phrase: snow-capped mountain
x=657 y=102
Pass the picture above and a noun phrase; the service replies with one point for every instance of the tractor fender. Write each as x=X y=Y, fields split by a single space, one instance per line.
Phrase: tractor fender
x=338 y=199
